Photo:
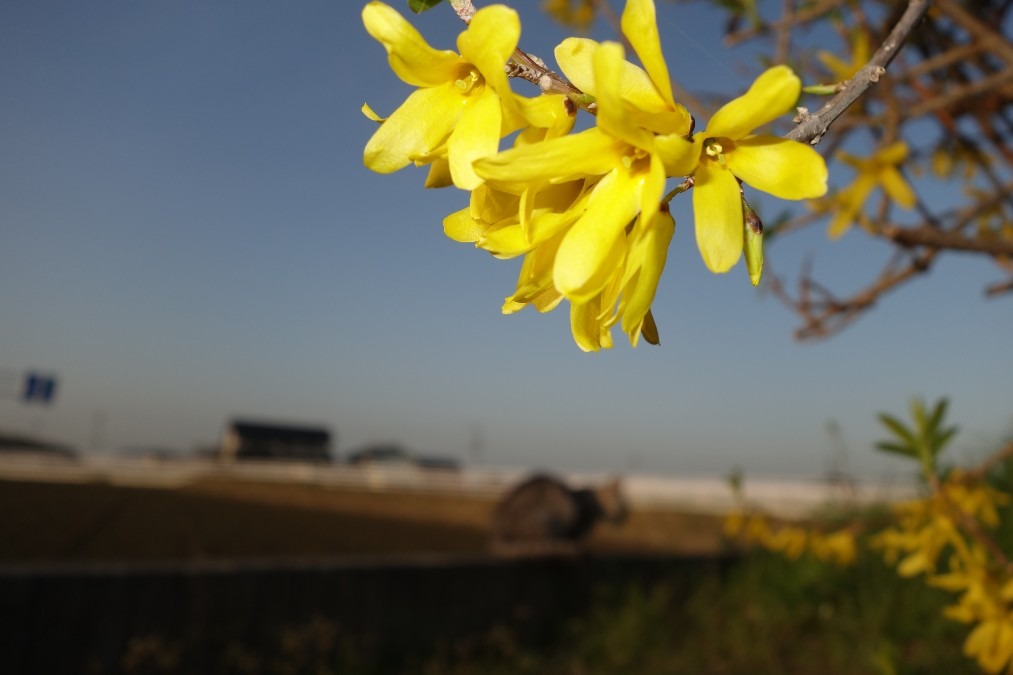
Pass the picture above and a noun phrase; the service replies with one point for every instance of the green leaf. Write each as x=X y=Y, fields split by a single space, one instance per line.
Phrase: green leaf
x=940 y=441
x=918 y=414
x=895 y=448
x=894 y=425
x=937 y=415
x=419 y=6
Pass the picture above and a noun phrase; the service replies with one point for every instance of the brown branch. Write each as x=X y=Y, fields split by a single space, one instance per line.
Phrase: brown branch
x=784 y=32
x=999 y=288
x=951 y=56
x=802 y=17
x=464 y=8
x=533 y=69
x=954 y=96
x=946 y=239
x=983 y=34
x=828 y=314
x=814 y=126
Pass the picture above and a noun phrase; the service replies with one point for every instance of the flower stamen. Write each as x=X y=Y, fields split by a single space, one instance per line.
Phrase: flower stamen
x=468 y=82
x=715 y=148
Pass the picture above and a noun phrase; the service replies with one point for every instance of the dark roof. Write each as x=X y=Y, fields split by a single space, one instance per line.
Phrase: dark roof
x=303 y=434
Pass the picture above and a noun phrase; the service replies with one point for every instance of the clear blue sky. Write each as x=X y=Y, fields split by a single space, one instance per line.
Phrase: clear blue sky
x=187 y=233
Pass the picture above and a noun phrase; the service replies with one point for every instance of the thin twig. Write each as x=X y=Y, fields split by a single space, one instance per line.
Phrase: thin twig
x=951 y=240
x=814 y=126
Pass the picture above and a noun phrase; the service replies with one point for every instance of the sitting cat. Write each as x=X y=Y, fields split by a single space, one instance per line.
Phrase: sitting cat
x=543 y=515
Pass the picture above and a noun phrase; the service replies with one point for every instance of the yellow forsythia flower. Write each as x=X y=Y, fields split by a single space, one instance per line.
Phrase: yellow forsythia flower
x=607 y=270
x=729 y=150
x=878 y=170
x=991 y=643
x=458 y=110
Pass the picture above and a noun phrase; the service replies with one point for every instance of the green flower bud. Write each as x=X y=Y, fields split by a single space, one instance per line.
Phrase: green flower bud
x=753 y=243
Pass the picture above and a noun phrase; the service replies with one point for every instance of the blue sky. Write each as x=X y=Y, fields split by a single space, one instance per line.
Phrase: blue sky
x=187 y=233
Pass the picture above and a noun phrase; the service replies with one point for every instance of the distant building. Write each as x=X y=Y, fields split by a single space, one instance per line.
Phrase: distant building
x=383 y=455
x=245 y=439
x=25 y=445
x=391 y=455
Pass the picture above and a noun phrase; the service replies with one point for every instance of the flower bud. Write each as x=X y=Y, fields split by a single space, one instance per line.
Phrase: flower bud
x=753 y=243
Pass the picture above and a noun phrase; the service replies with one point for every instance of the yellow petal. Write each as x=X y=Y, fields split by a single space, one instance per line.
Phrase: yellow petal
x=717 y=210
x=784 y=168
x=896 y=187
x=585 y=324
x=648 y=253
x=368 y=112
x=439 y=174
x=475 y=136
x=492 y=206
x=488 y=43
x=849 y=203
x=547 y=224
x=415 y=130
x=593 y=248
x=773 y=94
x=837 y=67
x=588 y=153
x=652 y=188
x=608 y=68
x=506 y=242
x=534 y=283
x=852 y=161
x=460 y=226
x=680 y=156
x=548 y=111
x=675 y=120
x=559 y=197
x=409 y=55
x=640 y=27
x=575 y=58
x=988 y=643
x=895 y=153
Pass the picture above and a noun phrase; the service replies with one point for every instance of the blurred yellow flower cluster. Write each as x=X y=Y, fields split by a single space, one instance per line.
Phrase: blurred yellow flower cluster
x=792 y=541
x=932 y=538
x=587 y=211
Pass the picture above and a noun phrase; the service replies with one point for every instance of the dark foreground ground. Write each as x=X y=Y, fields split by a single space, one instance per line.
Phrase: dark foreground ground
x=243 y=577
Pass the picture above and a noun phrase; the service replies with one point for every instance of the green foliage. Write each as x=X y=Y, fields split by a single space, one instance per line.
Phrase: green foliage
x=764 y=615
x=419 y=6
x=924 y=440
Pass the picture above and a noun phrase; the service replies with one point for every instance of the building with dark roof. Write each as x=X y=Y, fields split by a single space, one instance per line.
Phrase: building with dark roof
x=247 y=439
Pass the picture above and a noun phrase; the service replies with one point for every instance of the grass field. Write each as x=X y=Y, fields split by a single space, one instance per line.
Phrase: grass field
x=63 y=522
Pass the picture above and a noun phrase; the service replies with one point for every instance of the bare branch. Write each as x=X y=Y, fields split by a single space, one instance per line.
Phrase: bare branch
x=813 y=127
x=999 y=288
x=464 y=8
x=953 y=240
x=814 y=12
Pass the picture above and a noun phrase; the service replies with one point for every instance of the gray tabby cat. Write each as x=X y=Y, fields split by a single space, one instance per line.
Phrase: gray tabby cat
x=543 y=515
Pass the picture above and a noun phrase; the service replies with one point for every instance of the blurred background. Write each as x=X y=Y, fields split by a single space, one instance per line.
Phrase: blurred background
x=248 y=382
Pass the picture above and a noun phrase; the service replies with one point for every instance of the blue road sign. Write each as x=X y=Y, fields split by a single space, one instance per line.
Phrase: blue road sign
x=38 y=388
